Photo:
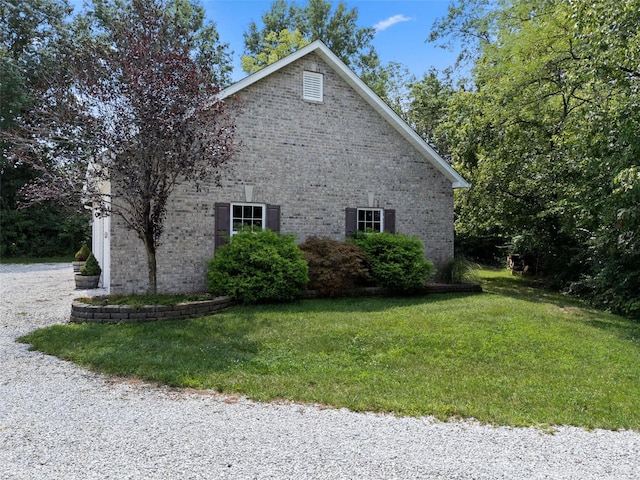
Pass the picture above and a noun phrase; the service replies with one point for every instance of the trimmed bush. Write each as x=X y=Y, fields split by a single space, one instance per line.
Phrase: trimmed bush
x=82 y=254
x=396 y=261
x=91 y=266
x=259 y=267
x=334 y=265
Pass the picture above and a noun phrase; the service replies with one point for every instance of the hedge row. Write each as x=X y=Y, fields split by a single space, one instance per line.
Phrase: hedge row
x=266 y=266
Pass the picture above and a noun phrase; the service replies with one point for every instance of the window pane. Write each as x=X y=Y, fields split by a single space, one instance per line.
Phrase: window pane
x=369 y=219
x=247 y=216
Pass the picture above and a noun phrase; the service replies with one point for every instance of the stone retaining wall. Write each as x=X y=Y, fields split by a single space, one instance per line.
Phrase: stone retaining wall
x=82 y=312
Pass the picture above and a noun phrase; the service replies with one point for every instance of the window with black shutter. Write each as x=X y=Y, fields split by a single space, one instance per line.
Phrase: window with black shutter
x=231 y=218
x=247 y=217
x=369 y=220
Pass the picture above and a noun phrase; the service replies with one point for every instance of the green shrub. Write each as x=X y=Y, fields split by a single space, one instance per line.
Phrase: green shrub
x=91 y=266
x=458 y=270
x=259 y=267
x=82 y=254
x=334 y=265
x=396 y=261
x=614 y=280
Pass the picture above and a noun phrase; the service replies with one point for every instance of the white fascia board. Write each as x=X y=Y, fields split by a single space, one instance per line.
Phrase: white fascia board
x=365 y=92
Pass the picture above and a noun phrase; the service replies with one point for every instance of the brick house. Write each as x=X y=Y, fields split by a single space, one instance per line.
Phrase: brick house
x=318 y=154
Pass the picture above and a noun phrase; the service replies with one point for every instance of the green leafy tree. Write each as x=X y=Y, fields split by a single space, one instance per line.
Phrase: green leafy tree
x=27 y=31
x=548 y=136
x=606 y=142
x=276 y=45
x=288 y=26
x=318 y=20
x=29 y=34
x=392 y=83
x=428 y=103
x=504 y=134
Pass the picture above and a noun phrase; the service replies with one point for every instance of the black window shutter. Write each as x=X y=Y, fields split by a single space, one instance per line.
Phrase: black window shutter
x=273 y=218
x=390 y=221
x=351 y=222
x=222 y=223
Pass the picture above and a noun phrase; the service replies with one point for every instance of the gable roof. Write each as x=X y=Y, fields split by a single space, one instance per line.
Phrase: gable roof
x=365 y=92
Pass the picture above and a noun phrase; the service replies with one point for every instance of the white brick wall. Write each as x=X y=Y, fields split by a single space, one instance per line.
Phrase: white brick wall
x=314 y=160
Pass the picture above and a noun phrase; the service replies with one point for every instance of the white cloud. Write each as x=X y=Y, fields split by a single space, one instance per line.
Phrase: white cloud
x=384 y=24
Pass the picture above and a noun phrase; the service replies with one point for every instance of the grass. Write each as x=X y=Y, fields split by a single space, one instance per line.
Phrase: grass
x=515 y=355
x=31 y=260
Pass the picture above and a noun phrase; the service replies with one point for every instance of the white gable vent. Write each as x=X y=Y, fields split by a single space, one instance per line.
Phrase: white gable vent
x=312 y=86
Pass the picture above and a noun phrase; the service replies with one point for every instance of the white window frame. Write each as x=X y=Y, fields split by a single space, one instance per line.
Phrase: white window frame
x=363 y=225
x=232 y=217
x=312 y=86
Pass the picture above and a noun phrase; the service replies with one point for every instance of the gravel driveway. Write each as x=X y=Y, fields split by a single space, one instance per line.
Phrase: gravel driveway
x=58 y=421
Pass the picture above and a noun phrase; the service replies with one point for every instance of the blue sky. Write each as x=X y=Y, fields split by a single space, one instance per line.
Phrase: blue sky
x=402 y=29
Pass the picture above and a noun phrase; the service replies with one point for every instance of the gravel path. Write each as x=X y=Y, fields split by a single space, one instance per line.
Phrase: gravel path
x=58 y=421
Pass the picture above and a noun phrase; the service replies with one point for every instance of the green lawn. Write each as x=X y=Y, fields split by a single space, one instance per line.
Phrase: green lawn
x=514 y=355
x=30 y=260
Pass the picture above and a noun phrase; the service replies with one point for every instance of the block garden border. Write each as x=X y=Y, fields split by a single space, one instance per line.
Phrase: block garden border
x=83 y=312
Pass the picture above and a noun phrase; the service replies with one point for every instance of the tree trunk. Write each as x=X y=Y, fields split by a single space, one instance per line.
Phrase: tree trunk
x=149 y=240
x=151 y=264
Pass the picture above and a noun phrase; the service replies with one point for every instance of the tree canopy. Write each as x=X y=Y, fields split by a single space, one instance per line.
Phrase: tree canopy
x=276 y=45
x=29 y=31
x=318 y=20
x=548 y=137
x=288 y=26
